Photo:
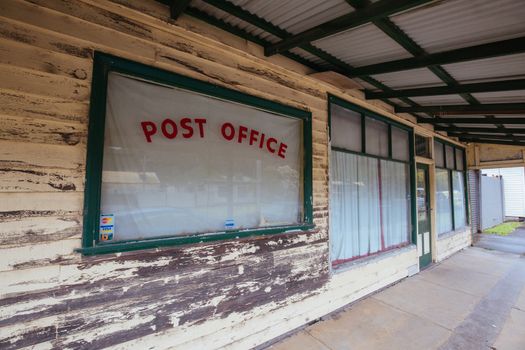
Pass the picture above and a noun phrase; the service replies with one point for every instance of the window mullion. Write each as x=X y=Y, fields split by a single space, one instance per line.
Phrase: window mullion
x=363 y=133
x=451 y=181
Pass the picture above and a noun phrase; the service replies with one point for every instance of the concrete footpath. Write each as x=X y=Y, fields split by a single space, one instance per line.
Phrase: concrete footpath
x=473 y=300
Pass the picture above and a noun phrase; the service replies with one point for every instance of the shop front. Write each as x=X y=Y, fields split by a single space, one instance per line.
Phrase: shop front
x=167 y=186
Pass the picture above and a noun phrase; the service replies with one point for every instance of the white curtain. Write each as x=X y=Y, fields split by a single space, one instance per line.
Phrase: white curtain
x=458 y=185
x=368 y=205
x=395 y=202
x=203 y=183
x=344 y=215
x=444 y=207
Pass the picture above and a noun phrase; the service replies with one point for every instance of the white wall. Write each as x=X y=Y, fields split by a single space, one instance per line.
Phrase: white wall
x=492 y=202
x=514 y=189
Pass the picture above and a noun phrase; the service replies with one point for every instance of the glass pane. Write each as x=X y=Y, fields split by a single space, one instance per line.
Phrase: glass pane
x=179 y=163
x=395 y=203
x=458 y=185
x=422 y=210
x=439 y=154
x=355 y=210
x=422 y=146
x=449 y=151
x=400 y=146
x=376 y=134
x=459 y=159
x=345 y=128
x=443 y=202
x=369 y=205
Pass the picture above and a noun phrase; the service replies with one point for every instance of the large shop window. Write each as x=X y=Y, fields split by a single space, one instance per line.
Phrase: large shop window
x=451 y=213
x=370 y=196
x=174 y=160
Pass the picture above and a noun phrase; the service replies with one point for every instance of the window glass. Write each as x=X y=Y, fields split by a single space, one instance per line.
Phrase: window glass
x=370 y=205
x=400 y=145
x=395 y=202
x=178 y=163
x=459 y=159
x=449 y=154
x=443 y=202
x=458 y=186
x=376 y=134
x=422 y=146
x=439 y=154
x=345 y=128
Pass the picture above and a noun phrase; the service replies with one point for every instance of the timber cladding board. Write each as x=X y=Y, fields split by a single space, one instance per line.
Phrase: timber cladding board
x=52 y=296
x=159 y=290
x=450 y=244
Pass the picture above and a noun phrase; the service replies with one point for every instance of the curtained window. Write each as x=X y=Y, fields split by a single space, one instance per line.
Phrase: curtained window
x=443 y=202
x=451 y=207
x=370 y=185
x=172 y=160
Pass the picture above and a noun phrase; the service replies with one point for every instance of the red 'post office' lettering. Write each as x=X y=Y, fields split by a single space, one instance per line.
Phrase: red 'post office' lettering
x=149 y=129
x=185 y=123
x=165 y=131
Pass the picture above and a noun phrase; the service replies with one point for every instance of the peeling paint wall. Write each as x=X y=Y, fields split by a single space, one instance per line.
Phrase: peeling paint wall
x=490 y=156
x=453 y=242
x=234 y=294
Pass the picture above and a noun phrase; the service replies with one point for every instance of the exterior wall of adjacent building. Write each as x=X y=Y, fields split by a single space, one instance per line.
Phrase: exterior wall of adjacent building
x=513 y=188
x=237 y=293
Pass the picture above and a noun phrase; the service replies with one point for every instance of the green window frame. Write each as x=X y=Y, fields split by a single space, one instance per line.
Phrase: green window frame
x=450 y=171
x=103 y=64
x=365 y=113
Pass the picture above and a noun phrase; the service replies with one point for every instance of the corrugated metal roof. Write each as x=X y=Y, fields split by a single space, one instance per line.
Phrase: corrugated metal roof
x=501 y=96
x=296 y=15
x=503 y=67
x=511 y=126
x=442 y=25
x=476 y=126
x=439 y=100
x=461 y=23
x=411 y=78
x=362 y=46
x=234 y=21
x=310 y=57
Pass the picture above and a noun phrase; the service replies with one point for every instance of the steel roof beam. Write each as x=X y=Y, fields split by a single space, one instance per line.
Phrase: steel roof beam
x=380 y=9
x=239 y=12
x=503 y=85
x=518 y=121
x=177 y=8
x=498 y=142
x=398 y=35
x=482 y=136
x=499 y=48
x=479 y=129
x=492 y=108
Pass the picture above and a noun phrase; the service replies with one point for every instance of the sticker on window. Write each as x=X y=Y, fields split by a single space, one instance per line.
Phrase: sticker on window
x=229 y=224
x=107 y=227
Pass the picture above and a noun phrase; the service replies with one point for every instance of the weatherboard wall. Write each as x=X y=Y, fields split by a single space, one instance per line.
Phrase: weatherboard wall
x=237 y=293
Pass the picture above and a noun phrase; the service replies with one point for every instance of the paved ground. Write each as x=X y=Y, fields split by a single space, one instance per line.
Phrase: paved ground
x=513 y=243
x=473 y=300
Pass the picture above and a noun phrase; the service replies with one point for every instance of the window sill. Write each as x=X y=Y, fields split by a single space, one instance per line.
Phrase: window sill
x=125 y=246
x=449 y=234
x=346 y=266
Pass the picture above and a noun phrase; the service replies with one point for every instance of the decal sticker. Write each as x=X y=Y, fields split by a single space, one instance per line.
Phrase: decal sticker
x=229 y=224
x=107 y=227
